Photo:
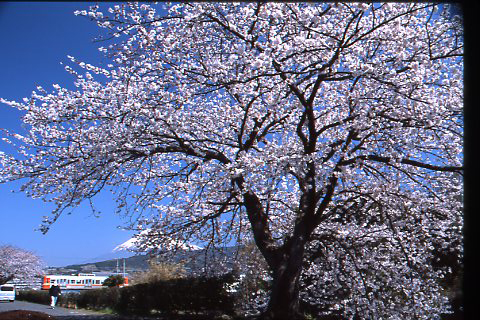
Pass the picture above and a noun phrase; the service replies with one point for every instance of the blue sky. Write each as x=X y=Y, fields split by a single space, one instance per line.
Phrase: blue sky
x=35 y=37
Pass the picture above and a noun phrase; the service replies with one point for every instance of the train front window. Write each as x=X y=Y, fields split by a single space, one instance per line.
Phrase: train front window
x=6 y=288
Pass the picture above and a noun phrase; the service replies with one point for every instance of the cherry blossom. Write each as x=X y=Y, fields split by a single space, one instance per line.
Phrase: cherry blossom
x=19 y=264
x=330 y=134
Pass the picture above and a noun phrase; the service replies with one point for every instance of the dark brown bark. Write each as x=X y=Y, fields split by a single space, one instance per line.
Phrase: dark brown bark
x=284 y=298
x=261 y=231
x=285 y=261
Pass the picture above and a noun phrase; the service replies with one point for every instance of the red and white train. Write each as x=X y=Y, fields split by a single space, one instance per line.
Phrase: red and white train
x=76 y=282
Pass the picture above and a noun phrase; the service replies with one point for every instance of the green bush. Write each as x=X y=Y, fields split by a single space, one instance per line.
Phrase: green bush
x=183 y=294
x=159 y=271
x=35 y=296
x=114 y=281
x=97 y=299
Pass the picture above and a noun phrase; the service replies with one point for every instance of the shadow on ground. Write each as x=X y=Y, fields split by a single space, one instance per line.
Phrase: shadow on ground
x=35 y=315
x=24 y=315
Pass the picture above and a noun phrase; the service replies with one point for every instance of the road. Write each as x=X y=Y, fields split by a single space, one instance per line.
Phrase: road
x=81 y=314
x=59 y=313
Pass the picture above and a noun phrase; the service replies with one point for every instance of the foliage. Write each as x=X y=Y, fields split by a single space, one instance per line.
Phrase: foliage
x=18 y=263
x=36 y=296
x=159 y=271
x=330 y=134
x=114 y=281
x=99 y=299
x=181 y=294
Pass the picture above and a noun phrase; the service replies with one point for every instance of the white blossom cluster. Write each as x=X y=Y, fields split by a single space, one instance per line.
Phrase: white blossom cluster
x=19 y=264
x=381 y=271
x=309 y=108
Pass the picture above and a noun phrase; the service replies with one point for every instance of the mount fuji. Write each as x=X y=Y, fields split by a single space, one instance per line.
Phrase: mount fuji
x=132 y=244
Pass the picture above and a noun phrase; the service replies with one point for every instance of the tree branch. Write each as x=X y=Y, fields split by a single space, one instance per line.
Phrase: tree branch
x=411 y=162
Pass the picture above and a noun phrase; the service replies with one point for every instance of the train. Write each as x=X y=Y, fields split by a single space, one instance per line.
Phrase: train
x=77 y=282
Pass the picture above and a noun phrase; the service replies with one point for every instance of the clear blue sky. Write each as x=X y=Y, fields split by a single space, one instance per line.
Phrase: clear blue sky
x=35 y=37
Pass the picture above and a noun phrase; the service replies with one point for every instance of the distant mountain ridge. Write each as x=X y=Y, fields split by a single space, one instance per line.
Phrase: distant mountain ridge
x=133 y=263
x=194 y=262
x=126 y=255
x=108 y=256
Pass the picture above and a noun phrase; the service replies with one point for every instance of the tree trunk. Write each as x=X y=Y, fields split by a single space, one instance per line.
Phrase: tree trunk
x=285 y=261
x=284 y=298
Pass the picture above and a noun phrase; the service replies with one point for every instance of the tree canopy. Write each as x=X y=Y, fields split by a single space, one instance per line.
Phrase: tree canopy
x=114 y=281
x=330 y=134
x=16 y=263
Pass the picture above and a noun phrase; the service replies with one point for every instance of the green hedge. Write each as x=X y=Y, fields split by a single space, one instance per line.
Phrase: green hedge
x=185 y=294
x=35 y=296
x=97 y=299
x=191 y=295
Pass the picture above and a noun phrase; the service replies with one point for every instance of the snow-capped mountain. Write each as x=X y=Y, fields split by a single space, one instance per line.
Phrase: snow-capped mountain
x=130 y=248
x=132 y=244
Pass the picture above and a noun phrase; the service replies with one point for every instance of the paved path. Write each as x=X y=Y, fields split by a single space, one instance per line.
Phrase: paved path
x=81 y=314
x=58 y=312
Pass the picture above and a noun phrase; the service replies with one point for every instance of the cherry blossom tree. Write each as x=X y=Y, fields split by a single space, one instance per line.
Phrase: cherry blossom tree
x=18 y=263
x=330 y=134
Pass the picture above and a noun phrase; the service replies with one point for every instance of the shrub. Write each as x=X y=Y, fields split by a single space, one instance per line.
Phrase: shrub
x=182 y=294
x=114 y=281
x=98 y=299
x=159 y=272
x=35 y=296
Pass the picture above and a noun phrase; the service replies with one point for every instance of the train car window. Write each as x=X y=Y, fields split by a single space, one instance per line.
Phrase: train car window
x=6 y=288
